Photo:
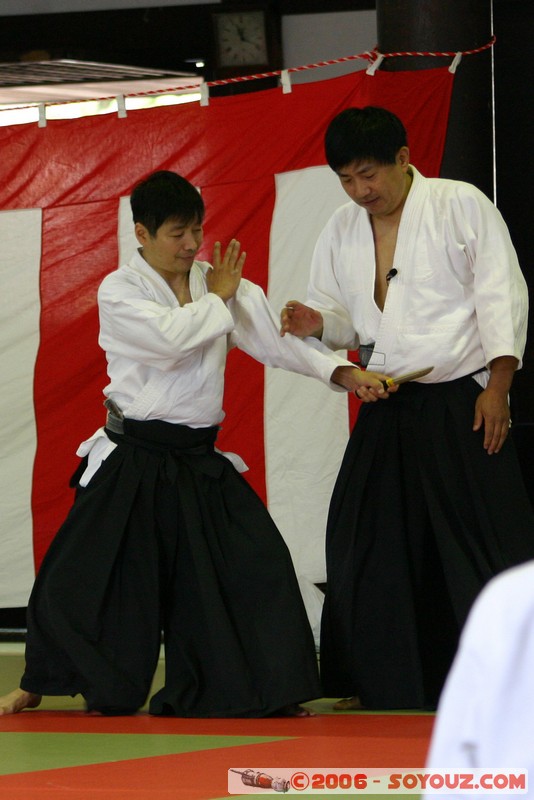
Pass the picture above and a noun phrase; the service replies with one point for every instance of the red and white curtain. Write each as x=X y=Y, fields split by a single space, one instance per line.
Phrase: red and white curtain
x=65 y=223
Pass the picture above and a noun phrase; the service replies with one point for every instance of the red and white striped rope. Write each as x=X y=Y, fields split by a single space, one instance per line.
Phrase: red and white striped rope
x=370 y=56
x=445 y=54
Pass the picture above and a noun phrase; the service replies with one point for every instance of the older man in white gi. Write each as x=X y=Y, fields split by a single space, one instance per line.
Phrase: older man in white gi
x=429 y=503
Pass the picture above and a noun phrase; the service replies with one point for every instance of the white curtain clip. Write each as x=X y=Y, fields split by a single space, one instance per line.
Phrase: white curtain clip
x=285 y=80
x=204 y=94
x=372 y=68
x=455 y=62
x=121 y=106
x=42 y=116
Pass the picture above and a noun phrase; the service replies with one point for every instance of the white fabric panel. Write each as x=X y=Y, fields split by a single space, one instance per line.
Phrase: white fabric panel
x=306 y=424
x=128 y=243
x=20 y=234
x=313 y=599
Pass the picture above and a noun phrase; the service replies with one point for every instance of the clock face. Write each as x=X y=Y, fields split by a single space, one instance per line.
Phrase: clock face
x=241 y=38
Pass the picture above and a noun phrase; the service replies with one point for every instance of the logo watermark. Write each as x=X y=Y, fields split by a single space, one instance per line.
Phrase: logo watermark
x=350 y=781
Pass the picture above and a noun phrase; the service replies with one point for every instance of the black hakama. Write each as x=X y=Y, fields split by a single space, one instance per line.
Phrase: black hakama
x=421 y=518
x=167 y=536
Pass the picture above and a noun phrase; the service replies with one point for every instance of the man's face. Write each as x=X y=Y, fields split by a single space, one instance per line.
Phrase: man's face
x=379 y=188
x=173 y=248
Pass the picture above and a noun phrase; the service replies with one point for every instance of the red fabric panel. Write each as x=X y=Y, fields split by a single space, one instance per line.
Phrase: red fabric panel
x=242 y=137
x=79 y=249
x=76 y=170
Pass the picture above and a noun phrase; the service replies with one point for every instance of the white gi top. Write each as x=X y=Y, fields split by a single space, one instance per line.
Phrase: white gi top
x=167 y=361
x=457 y=301
x=485 y=715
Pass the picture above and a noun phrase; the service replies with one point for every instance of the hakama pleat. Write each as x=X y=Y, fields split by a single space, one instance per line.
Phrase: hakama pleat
x=168 y=537
x=421 y=518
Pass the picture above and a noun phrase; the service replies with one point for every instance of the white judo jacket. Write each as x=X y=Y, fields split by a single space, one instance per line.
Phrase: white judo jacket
x=167 y=361
x=458 y=298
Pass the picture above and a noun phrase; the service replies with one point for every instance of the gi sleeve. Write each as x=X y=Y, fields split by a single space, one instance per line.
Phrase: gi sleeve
x=257 y=333
x=500 y=290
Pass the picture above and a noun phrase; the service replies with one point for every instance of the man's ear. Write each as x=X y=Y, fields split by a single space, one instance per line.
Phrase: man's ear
x=403 y=157
x=141 y=233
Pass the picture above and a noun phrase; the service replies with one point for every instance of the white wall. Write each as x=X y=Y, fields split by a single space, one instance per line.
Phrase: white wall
x=309 y=38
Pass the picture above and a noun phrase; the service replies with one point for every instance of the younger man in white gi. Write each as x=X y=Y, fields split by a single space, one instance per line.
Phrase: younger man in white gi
x=165 y=535
x=429 y=503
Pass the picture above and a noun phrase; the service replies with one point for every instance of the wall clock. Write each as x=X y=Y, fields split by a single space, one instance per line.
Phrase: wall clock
x=241 y=38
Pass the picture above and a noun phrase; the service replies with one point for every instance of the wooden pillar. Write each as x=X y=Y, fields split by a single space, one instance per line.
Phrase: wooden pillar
x=443 y=26
x=458 y=25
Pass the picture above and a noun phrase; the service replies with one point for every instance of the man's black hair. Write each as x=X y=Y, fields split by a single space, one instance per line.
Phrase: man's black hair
x=361 y=134
x=165 y=195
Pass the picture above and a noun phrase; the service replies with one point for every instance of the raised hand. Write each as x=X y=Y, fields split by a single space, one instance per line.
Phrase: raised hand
x=225 y=275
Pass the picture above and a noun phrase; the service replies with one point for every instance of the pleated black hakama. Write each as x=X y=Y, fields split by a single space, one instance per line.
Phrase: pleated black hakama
x=167 y=536
x=421 y=518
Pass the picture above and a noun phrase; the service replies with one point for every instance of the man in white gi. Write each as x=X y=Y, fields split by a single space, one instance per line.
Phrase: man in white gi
x=485 y=715
x=165 y=534
x=429 y=503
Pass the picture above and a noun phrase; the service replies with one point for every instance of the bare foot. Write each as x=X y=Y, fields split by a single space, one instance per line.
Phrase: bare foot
x=348 y=704
x=17 y=701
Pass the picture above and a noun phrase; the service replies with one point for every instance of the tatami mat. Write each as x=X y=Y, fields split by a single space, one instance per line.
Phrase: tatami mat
x=58 y=752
